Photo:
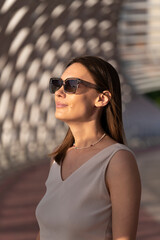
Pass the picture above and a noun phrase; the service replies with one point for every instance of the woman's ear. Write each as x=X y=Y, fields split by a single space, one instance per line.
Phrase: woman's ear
x=103 y=99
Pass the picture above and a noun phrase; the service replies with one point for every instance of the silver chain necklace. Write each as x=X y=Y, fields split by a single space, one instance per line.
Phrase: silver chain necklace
x=92 y=143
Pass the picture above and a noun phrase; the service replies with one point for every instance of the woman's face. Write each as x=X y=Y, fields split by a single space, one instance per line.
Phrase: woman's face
x=78 y=107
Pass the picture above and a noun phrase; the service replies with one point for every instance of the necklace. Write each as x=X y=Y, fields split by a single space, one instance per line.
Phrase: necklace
x=92 y=143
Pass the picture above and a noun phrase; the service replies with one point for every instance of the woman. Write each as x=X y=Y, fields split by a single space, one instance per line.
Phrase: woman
x=93 y=187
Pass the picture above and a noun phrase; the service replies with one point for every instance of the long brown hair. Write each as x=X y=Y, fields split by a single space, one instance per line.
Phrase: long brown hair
x=106 y=78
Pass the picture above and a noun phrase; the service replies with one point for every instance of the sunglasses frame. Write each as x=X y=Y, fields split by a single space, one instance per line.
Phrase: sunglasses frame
x=79 y=81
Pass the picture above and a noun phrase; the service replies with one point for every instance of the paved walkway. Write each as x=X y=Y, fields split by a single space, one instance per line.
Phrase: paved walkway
x=20 y=194
x=149 y=166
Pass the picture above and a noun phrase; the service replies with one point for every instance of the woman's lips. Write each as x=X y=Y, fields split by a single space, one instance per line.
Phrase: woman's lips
x=61 y=105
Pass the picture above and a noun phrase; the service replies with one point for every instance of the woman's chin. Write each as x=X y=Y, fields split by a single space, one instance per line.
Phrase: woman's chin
x=64 y=118
x=60 y=116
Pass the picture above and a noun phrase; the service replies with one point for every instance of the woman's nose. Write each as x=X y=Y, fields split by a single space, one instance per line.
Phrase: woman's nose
x=60 y=92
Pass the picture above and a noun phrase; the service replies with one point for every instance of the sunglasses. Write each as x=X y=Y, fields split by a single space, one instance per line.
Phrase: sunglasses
x=70 y=85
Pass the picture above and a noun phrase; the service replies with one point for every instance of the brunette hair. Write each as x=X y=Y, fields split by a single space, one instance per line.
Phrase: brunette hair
x=106 y=77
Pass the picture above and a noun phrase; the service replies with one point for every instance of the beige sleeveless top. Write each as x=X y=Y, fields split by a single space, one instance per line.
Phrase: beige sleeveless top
x=78 y=207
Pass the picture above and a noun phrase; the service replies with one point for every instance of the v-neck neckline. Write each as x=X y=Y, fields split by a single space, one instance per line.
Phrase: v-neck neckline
x=83 y=164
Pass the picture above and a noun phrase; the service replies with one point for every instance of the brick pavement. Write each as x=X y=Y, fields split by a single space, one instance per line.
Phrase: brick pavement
x=20 y=194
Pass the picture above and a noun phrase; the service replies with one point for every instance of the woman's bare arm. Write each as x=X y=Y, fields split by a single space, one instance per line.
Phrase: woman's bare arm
x=38 y=237
x=123 y=182
x=51 y=162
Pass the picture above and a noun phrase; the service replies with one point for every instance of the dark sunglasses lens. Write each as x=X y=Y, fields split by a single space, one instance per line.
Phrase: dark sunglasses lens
x=55 y=84
x=70 y=86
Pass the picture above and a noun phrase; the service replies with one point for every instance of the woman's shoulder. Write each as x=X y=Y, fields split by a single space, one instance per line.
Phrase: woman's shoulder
x=119 y=153
x=123 y=151
x=123 y=158
x=115 y=146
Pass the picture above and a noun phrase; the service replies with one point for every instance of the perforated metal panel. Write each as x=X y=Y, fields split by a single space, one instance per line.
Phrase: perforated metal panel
x=37 y=38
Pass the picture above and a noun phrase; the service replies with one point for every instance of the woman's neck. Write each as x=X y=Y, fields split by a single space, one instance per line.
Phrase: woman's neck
x=86 y=134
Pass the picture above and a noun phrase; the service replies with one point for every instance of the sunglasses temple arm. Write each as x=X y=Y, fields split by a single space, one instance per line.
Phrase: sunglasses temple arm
x=91 y=85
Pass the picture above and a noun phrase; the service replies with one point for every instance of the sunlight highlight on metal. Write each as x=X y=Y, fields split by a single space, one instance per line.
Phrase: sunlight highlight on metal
x=79 y=46
x=43 y=83
x=16 y=19
x=58 y=33
x=75 y=5
x=23 y=56
x=6 y=74
x=90 y=24
x=34 y=115
x=42 y=41
x=18 y=84
x=32 y=93
x=19 y=110
x=18 y=40
x=33 y=69
x=7 y=5
x=74 y=27
x=49 y=58
x=91 y=3
x=58 y=11
x=40 y=22
x=64 y=50
x=4 y=104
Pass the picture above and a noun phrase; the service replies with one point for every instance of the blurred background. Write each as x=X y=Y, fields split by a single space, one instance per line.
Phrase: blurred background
x=37 y=39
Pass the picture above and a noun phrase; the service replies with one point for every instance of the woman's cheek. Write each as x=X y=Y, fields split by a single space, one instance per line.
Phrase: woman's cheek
x=83 y=112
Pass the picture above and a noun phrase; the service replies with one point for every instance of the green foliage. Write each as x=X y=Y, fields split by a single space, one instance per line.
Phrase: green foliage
x=155 y=96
